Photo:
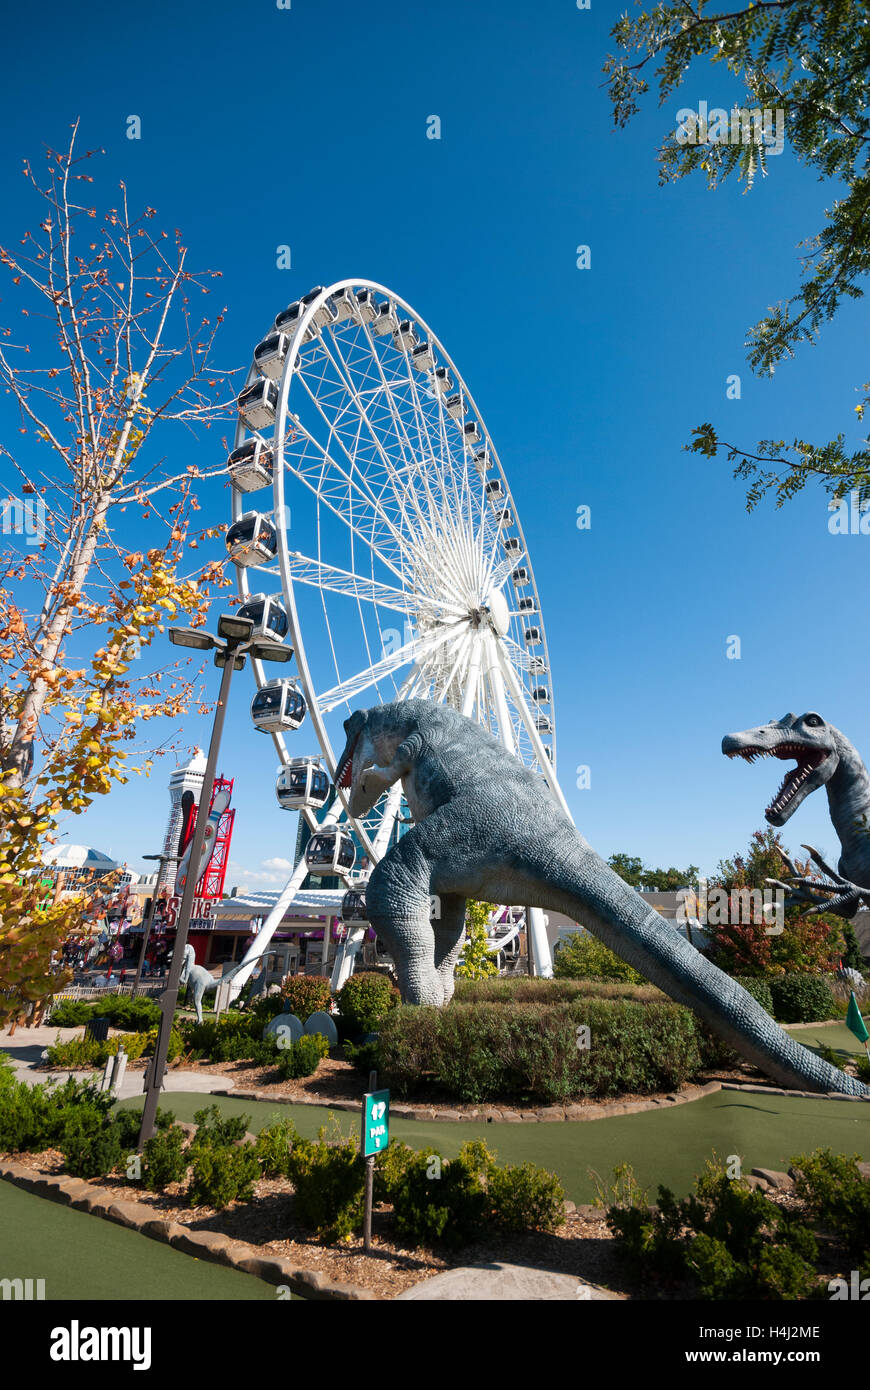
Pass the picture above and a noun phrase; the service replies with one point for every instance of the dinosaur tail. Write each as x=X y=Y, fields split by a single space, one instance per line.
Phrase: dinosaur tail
x=594 y=895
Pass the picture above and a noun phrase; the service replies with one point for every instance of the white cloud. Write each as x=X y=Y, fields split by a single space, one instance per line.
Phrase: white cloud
x=255 y=878
x=278 y=863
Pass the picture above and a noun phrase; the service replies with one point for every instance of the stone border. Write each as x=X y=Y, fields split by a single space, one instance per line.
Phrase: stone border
x=204 y=1245
x=780 y=1091
x=598 y=1110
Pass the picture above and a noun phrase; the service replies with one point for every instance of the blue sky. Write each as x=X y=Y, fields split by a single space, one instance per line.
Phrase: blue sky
x=307 y=127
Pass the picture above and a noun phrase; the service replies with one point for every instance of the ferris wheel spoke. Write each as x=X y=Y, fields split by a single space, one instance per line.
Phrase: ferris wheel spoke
x=409 y=651
x=403 y=493
x=329 y=577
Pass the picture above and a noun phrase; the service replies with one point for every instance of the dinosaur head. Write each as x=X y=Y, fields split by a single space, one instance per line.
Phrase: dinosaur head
x=808 y=739
x=372 y=737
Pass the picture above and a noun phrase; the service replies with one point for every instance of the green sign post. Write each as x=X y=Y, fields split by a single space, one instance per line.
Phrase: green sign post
x=376 y=1123
x=374 y=1139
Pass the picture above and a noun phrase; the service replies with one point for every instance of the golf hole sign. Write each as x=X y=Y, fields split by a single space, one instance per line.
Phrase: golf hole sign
x=376 y=1122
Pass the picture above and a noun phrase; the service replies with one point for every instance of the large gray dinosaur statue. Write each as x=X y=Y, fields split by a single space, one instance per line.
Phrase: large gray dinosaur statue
x=489 y=828
x=824 y=758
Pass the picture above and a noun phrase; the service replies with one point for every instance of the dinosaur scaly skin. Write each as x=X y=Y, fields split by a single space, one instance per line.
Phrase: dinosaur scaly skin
x=489 y=828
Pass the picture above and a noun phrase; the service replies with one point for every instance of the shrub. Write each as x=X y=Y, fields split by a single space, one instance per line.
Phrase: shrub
x=33 y=1118
x=305 y=995
x=439 y=1200
x=130 y=1122
x=529 y=1052
x=265 y=1008
x=801 y=999
x=216 y=1131
x=223 y=1174
x=526 y=1198
x=303 y=1057
x=230 y=1038
x=92 y=1153
x=835 y=1192
x=476 y=962
x=366 y=1000
x=730 y=1242
x=862 y=1065
x=265 y=1052
x=759 y=989
x=135 y=1015
x=165 y=1161
x=274 y=1146
x=70 y=1013
x=176 y=1042
x=88 y=1052
x=582 y=955
x=364 y=1057
x=525 y=989
x=329 y=1183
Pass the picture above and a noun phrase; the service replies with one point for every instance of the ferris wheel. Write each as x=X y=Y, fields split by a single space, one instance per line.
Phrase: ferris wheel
x=373 y=528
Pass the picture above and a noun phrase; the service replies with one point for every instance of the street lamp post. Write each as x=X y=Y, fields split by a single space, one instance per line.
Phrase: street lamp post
x=233 y=643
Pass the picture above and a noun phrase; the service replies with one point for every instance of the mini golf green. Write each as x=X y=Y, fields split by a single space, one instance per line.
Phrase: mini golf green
x=85 y=1257
x=835 y=1035
x=668 y=1146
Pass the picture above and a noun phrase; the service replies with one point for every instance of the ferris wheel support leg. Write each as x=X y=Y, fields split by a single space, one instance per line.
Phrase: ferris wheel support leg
x=345 y=960
x=542 y=960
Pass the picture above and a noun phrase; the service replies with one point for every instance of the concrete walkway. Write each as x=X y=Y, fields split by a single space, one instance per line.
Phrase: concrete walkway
x=26 y=1046
x=497 y=1283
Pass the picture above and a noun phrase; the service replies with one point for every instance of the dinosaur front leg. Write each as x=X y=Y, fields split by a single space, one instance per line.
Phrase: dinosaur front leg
x=397 y=902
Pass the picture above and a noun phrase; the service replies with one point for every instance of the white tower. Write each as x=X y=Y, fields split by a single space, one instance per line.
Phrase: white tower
x=183 y=779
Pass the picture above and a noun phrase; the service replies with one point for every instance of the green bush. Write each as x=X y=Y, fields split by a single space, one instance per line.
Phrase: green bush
x=274 y=1146
x=328 y=1181
x=529 y=1052
x=366 y=1000
x=231 y=1038
x=34 y=1118
x=265 y=1008
x=525 y=1198
x=525 y=989
x=165 y=1161
x=727 y=1241
x=88 y=1052
x=129 y=1122
x=363 y=1057
x=862 y=1064
x=303 y=1057
x=92 y=1153
x=216 y=1131
x=223 y=1174
x=436 y=1200
x=582 y=956
x=134 y=1015
x=176 y=1042
x=834 y=1192
x=801 y=999
x=759 y=989
x=70 y=1013
x=305 y=995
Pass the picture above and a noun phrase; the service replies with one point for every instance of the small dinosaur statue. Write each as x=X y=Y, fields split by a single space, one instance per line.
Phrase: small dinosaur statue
x=198 y=980
x=489 y=828
x=824 y=758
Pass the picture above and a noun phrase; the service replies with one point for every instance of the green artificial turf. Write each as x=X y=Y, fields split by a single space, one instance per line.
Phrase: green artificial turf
x=85 y=1257
x=668 y=1146
x=835 y=1035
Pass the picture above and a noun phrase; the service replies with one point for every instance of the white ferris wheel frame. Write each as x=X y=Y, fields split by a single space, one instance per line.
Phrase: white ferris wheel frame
x=488 y=668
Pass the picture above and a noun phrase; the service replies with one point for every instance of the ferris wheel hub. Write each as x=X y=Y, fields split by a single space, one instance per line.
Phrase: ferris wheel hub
x=499 y=613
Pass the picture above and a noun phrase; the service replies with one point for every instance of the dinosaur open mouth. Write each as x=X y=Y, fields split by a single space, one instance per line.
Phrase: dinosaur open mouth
x=344 y=771
x=807 y=761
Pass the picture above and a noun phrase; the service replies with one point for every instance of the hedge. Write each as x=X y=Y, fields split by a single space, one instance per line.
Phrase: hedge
x=529 y=1052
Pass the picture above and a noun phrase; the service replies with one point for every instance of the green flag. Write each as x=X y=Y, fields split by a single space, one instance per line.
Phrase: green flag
x=854 y=1021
